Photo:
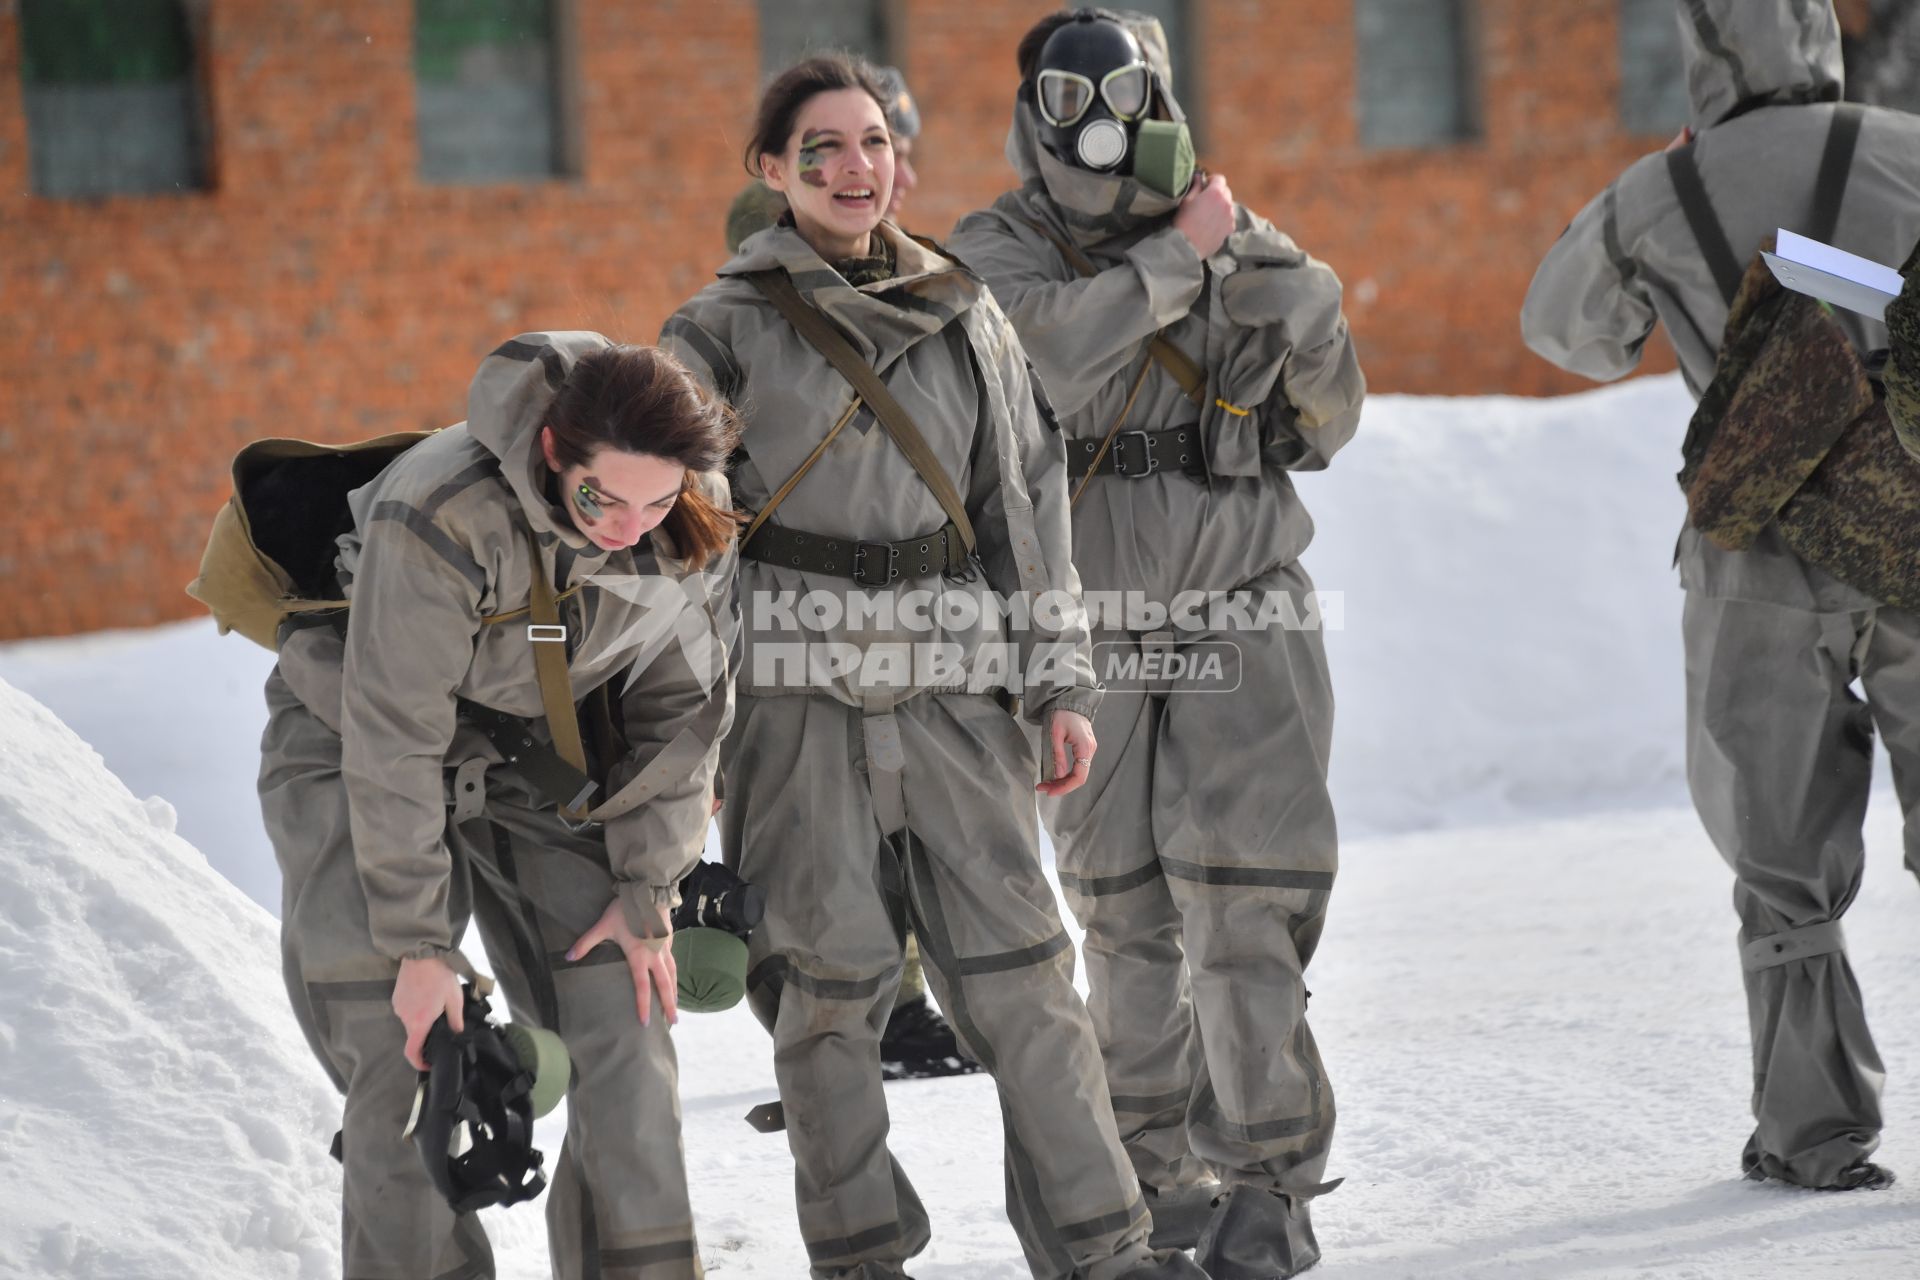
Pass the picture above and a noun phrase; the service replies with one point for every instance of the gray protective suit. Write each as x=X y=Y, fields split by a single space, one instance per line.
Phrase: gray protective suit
x=866 y=789
x=1201 y=854
x=1778 y=746
x=395 y=822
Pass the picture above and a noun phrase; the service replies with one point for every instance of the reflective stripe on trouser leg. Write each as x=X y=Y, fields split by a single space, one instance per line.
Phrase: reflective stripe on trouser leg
x=799 y=821
x=1001 y=965
x=394 y=1225
x=618 y=1207
x=1779 y=761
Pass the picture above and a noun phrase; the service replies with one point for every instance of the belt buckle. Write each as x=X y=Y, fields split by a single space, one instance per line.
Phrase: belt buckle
x=860 y=551
x=1146 y=448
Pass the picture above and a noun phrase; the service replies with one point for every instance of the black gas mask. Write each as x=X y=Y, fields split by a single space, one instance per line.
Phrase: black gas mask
x=474 y=1110
x=1094 y=93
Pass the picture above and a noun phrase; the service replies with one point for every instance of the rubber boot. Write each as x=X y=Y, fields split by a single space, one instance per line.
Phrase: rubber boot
x=1179 y=1213
x=1257 y=1234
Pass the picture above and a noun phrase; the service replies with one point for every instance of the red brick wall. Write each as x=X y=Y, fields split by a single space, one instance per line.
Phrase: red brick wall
x=321 y=290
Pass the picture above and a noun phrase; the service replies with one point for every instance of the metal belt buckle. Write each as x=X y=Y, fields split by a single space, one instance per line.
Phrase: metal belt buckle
x=886 y=550
x=546 y=633
x=1120 y=453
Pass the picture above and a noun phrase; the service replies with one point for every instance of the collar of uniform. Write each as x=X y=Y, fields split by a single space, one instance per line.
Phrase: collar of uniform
x=928 y=292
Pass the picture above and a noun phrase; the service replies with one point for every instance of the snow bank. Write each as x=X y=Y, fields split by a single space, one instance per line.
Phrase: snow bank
x=1512 y=640
x=162 y=1116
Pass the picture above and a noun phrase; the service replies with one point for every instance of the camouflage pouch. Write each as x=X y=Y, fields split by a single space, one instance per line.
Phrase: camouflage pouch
x=1787 y=385
x=1903 y=358
x=1858 y=514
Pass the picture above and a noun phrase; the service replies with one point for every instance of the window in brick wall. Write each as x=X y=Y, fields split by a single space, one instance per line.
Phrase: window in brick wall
x=1176 y=22
x=1653 y=74
x=793 y=29
x=489 y=90
x=1416 y=74
x=112 y=96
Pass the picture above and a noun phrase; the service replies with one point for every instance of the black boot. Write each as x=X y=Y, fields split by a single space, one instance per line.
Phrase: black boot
x=1256 y=1234
x=919 y=1044
x=1862 y=1175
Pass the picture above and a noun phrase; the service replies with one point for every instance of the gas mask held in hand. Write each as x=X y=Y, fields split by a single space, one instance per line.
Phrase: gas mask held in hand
x=474 y=1109
x=1095 y=93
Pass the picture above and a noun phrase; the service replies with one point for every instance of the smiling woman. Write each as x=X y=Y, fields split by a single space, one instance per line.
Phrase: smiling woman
x=875 y=779
x=822 y=141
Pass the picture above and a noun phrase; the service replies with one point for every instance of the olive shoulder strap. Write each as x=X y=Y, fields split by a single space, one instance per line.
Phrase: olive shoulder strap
x=819 y=331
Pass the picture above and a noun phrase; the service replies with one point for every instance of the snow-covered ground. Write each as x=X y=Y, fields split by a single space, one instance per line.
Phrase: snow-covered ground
x=1528 y=996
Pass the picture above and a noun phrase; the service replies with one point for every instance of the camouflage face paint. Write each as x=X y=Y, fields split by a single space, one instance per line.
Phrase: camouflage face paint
x=811 y=164
x=587 y=502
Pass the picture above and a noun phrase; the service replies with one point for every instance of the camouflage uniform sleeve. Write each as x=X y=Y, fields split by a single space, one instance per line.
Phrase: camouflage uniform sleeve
x=1588 y=309
x=410 y=638
x=1081 y=332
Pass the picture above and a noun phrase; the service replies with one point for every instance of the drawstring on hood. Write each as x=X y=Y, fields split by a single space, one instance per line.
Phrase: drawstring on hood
x=507 y=405
x=1742 y=54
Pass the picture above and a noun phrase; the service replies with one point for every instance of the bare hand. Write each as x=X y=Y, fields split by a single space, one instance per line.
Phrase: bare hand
x=1068 y=731
x=1682 y=138
x=427 y=988
x=1205 y=216
x=651 y=960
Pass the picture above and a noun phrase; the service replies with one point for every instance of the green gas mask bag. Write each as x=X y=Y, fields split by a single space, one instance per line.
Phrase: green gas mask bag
x=1163 y=157
x=717 y=911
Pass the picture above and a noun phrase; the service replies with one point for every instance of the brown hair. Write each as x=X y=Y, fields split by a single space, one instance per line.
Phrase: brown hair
x=793 y=88
x=642 y=400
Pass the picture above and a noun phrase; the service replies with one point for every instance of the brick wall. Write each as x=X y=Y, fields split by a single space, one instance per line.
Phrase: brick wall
x=319 y=289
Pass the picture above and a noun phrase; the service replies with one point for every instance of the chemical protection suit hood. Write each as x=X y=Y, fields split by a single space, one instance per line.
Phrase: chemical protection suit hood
x=507 y=405
x=1746 y=53
x=870 y=315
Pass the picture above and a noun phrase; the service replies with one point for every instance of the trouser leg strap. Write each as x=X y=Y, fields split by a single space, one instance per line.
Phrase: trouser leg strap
x=1794 y=944
x=886 y=763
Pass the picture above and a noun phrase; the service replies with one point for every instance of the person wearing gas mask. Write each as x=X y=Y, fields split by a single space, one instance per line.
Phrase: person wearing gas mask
x=1193 y=355
x=903 y=485
x=424 y=766
x=1779 y=745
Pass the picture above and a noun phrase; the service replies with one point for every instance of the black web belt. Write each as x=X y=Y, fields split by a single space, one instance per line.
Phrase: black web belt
x=869 y=564
x=537 y=762
x=1139 y=454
